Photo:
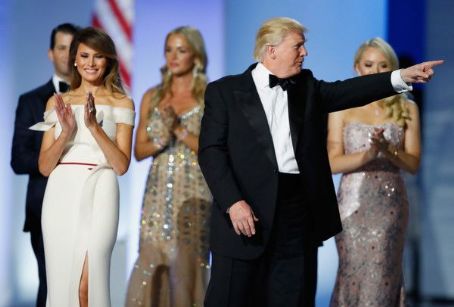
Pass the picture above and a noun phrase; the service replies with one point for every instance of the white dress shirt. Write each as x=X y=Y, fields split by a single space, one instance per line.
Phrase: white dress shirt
x=274 y=101
x=275 y=104
x=55 y=80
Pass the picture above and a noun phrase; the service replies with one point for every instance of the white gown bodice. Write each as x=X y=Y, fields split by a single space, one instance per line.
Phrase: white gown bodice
x=83 y=147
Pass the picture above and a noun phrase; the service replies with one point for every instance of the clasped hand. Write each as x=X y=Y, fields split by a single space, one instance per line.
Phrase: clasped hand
x=171 y=121
x=172 y=125
x=377 y=142
x=162 y=135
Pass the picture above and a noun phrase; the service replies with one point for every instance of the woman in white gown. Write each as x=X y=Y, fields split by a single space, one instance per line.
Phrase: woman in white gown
x=86 y=144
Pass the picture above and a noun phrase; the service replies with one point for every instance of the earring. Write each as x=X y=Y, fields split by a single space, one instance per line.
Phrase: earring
x=75 y=64
x=196 y=70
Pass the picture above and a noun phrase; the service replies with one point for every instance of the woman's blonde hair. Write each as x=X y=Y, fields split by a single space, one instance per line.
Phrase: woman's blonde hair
x=272 y=32
x=102 y=43
x=195 y=40
x=395 y=105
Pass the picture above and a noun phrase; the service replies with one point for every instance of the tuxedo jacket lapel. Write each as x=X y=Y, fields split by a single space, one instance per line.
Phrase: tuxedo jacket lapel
x=40 y=100
x=252 y=108
x=296 y=110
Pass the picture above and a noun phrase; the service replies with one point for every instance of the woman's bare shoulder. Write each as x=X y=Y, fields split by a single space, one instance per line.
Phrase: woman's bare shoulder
x=150 y=93
x=123 y=101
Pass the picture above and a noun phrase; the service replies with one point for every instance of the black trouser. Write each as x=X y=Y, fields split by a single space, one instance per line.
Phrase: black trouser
x=36 y=237
x=285 y=274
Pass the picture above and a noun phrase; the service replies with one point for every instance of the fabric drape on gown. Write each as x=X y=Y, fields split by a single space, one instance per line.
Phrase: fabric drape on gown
x=80 y=211
x=374 y=212
x=172 y=268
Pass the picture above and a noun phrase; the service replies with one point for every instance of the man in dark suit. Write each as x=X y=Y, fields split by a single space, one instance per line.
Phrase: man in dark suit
x=263 y=154
x=27 y=143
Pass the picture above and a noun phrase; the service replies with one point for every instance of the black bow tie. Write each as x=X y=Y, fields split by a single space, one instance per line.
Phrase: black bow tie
x=63 y=87
x=283 y=82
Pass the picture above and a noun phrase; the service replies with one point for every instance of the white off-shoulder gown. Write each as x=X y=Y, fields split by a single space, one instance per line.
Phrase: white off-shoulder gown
x=80 y=211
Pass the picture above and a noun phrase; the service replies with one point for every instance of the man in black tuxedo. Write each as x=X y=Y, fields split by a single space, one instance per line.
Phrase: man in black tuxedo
x=27 y=143
x=263 y=154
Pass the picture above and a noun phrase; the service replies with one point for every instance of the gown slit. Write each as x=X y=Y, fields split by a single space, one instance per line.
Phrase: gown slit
x=82 y=251
x=88 y=278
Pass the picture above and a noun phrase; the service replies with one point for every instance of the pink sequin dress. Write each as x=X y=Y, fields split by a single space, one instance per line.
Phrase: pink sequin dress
x=374 y=211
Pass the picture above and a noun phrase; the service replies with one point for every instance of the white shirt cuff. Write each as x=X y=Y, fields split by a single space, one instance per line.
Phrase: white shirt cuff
x=398 y=83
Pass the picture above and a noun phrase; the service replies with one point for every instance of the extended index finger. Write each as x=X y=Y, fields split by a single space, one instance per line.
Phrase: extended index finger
x=430 y=64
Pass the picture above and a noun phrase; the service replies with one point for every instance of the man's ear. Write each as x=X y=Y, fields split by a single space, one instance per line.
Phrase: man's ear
x=271 y=51
x=356 y=68
x=50 y=55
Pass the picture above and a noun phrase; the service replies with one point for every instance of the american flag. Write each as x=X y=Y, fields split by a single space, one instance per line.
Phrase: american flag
x=116 y=18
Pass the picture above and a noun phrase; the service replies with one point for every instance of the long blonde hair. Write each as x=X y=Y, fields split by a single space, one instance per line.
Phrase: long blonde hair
x=395 y=105
x=199 y=80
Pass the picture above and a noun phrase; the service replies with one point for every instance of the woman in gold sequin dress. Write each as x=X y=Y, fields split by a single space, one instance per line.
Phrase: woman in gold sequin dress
x=172 y=268
x=370 y=145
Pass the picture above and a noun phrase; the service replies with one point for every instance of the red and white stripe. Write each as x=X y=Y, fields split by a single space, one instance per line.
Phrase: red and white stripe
x=116 y=18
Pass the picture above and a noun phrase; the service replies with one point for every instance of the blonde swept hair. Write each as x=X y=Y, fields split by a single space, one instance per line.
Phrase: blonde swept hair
x=199 y=82
x=273 y=32
x=395 y=105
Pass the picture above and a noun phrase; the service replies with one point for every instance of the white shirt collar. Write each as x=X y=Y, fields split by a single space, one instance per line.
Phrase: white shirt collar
x=261 y=76
x=55 y=80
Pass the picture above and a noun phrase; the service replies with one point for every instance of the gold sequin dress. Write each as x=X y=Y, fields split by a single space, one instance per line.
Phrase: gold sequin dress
x=173 y=264
x=374 y=212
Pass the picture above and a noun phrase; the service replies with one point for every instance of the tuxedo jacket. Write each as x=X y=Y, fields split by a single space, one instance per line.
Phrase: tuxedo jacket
x=26 y=147
x=238 y=161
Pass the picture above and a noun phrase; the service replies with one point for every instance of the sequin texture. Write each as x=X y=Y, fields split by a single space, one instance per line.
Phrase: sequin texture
x=374 y=212
x=173 y=268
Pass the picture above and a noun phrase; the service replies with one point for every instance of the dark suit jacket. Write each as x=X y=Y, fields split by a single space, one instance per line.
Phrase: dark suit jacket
x=25 y=150
x=237 y=157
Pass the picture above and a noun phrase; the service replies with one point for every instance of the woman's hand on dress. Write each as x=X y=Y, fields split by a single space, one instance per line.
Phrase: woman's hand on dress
x=65 y=116
x=381 y=142
x=180 y=132
x=169 y=117
x=376 y=140
x=90 y=112
x=168 y=121
x=162 y=141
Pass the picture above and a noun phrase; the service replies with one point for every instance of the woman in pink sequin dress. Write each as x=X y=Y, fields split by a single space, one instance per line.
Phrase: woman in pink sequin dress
x=370 y=145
